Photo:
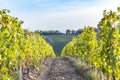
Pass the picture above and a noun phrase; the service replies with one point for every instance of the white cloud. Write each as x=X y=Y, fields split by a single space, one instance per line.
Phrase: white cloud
x=73 y=15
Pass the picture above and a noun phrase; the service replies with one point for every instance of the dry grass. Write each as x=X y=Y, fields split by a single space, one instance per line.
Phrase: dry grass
x=83 y=69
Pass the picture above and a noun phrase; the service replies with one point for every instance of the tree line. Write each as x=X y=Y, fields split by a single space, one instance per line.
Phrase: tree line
x=57 y=32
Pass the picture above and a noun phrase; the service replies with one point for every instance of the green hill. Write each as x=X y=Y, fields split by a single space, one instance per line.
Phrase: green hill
x=58 y=41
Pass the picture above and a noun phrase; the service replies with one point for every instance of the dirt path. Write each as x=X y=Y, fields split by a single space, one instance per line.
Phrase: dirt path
x=61 y=69
x=55 y=69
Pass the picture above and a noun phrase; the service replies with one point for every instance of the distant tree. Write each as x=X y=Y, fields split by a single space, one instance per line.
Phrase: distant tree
x=57 y=32
x=73 y=32
x=79 y=31
x=48 y=32
x=68 y=31
x=51 y=32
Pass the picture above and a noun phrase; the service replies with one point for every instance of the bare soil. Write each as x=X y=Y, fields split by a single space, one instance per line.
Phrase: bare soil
x=55 y=69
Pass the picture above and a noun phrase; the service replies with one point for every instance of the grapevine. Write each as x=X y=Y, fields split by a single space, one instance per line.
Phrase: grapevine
x=19 y=48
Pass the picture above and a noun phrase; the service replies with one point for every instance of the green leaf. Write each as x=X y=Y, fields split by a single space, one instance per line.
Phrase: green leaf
x=118 y=9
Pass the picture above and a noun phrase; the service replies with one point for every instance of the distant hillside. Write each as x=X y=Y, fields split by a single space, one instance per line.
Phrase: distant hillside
x=58 y=41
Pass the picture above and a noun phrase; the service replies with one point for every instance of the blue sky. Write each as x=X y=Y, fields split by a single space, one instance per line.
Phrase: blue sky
x=58 y=14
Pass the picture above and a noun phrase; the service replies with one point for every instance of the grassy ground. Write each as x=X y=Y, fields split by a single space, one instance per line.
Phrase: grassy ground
x=84 y=70
x=58 y=41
